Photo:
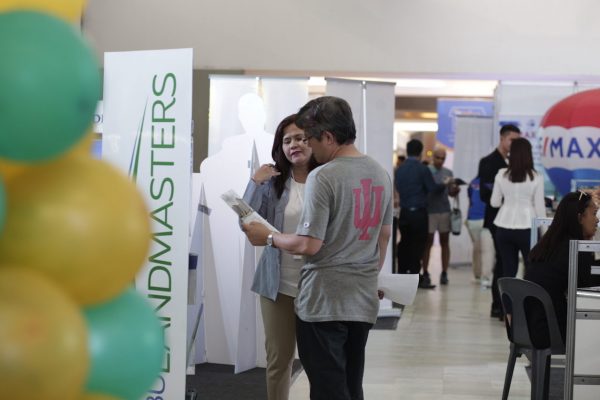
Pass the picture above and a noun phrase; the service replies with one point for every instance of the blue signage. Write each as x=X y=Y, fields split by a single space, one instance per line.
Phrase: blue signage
x=448 y=109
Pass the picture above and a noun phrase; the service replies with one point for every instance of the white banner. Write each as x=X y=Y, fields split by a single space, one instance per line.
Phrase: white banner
x=473 y=140
x=239 y=135
x=147 y=133
x=378 y=141
x=372 y=105
x=353 y=92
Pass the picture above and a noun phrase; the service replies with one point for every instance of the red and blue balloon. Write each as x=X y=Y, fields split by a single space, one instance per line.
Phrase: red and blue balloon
x=570 y=141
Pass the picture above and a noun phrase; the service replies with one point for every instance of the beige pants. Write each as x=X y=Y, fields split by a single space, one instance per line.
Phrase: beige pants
x=483 y=249
x=279 y=321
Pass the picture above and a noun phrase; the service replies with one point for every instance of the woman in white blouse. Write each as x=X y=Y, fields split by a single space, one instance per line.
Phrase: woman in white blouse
x=519 y=192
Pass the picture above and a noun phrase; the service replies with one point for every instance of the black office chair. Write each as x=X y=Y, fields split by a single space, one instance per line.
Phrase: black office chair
x=514 y=292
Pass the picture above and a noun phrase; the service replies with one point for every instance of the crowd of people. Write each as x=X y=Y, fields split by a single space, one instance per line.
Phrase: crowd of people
x=334 y=210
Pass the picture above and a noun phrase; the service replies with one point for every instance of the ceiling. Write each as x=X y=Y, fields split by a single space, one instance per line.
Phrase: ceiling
x=416 y=99
x=424 y=87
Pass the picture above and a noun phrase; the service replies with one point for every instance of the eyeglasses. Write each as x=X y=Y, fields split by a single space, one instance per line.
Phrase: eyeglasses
x=296 y=138
x=309 y=135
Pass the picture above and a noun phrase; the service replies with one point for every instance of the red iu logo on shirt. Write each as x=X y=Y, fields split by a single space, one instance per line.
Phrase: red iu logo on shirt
x=366 y=220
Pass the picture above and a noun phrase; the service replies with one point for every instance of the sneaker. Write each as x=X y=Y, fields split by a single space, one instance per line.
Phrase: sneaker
x=425 y=282
x=496 y=313
x=444 y=278
x=486 y=283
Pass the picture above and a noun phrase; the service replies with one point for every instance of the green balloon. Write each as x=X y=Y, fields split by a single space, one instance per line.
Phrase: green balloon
x=126 y=346
x=49 y=86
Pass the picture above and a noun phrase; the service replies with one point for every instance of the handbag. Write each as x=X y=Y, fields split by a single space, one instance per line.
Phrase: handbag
x=455 y=218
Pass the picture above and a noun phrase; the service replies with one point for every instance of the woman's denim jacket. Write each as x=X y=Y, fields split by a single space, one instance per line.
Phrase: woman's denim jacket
x=263 y=199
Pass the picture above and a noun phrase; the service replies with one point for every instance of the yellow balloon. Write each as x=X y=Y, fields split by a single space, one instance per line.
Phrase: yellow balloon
x=43 y=339
x=97 y=396
x=69 y=10
x=79 y=221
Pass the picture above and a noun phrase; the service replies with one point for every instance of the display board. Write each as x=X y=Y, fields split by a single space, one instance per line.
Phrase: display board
x=373 y=110
x=147 y=134
x=244 y=112
x=473 y=141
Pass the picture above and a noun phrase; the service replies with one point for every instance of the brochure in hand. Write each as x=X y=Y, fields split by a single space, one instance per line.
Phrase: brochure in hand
x=243 y=209
x=400 y=288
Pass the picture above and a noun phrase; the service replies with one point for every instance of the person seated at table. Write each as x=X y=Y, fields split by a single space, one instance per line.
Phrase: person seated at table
x=575 y=219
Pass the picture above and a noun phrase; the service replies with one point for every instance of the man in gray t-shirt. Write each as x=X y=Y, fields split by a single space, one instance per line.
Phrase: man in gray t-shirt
x=438 y=211
x=346 y=201
x=343 y=231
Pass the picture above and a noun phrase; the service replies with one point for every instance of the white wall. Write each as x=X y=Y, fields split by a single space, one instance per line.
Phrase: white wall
x=489 y=38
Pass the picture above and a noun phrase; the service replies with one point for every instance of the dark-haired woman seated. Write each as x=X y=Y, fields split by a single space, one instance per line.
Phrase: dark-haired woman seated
x=575 y=219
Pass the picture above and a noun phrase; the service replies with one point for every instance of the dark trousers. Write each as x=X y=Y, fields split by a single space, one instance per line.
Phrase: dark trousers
x=510 y=243
x=333 y=355
x=413 y=239
x=497 y=273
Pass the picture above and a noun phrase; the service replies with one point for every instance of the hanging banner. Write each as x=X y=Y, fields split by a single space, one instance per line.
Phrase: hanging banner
x=147 y=134
x=449 y=109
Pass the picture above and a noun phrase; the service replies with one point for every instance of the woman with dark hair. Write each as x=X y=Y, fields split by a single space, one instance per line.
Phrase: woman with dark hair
x=277 y=193
x=575 y=219
x=519 y=193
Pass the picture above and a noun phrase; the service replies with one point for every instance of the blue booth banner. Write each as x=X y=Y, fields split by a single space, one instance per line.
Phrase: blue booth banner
x=448 y=109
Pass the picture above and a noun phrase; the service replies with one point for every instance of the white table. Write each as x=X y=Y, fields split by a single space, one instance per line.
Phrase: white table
x=582 y=367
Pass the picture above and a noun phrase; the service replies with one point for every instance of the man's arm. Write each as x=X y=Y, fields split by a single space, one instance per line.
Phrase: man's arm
x=497 y=194
x=453 y=188
x=430 y=184
x=383 y=240
x=397 y=181
x=296 y=244
x=486 y=180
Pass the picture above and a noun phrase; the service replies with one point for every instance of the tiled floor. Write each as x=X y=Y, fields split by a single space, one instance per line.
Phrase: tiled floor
x=446 y=347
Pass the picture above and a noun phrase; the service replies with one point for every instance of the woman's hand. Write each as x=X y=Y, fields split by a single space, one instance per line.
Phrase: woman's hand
x=264 y=173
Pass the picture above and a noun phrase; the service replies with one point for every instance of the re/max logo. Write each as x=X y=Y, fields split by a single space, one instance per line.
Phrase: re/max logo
x=573 y=147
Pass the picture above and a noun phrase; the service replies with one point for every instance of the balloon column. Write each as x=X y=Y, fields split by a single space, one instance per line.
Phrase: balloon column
x=73 y=230
x=571 y=140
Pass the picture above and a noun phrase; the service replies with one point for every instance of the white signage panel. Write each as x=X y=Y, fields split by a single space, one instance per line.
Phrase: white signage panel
x=147 y=133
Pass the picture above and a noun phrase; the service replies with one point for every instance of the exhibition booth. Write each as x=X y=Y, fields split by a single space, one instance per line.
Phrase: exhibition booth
x=152 y=142
x=144 y=261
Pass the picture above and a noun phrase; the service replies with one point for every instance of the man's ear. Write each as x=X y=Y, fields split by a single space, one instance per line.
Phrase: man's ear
x=329 y=137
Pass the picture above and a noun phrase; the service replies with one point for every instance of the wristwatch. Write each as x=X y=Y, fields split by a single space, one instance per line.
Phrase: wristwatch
x=270 y=240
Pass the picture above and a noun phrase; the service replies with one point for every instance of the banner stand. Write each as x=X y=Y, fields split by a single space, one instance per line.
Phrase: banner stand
x=147 y=134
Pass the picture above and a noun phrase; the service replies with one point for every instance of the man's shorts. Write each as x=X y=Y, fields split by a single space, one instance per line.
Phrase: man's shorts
x=439 y=222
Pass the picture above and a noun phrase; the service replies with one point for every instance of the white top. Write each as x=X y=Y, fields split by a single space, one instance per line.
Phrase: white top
x=519 y=202
x=291 y=264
